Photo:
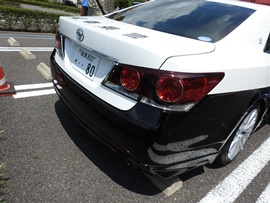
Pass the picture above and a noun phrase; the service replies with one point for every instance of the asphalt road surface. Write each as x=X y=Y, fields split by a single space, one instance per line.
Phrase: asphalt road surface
x=50 y=158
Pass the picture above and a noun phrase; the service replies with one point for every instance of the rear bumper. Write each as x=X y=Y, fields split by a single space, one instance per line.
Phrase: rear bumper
x=161 y=144
x=125 y=132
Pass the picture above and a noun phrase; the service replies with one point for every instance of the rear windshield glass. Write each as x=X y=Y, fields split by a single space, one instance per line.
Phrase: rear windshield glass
x=196 y=19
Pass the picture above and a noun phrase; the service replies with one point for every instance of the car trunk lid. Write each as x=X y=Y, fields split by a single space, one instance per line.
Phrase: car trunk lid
x=93 y=45
x=128 y=43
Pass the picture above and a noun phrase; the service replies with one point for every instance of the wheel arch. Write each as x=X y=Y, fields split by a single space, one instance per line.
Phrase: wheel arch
x=259 y=100
x=260 y=97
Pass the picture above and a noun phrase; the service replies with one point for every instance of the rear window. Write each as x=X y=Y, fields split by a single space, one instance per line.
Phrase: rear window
x=196 y=19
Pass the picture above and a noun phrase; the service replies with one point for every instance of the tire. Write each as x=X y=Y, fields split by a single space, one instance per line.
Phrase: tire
x=240 y=137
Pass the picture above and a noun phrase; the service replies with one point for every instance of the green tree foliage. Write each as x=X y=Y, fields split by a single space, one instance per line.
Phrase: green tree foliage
x=122 y=3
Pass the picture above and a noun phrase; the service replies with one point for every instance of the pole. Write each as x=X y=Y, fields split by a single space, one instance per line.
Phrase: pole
x=100 y=7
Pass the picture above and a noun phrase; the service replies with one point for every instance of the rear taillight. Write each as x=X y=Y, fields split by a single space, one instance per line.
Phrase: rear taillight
x=130 y=79
x=57 y=40
x=59 y=77
x=58 y=43
x=168 y=90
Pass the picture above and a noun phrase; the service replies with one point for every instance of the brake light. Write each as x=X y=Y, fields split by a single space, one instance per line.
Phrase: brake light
x=164 y=89
x=169 y=89
x=197 y=88
x=130 y=79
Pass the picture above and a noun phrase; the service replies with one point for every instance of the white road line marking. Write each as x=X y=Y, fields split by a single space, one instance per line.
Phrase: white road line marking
x=28 y=48
x=33 y=86
x=265 y=196
x=28 y=36
x=34 y=93
x=33 y=90
x=234 y=184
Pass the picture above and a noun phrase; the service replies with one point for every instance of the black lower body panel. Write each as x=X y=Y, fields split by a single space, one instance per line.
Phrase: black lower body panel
x=162 y=144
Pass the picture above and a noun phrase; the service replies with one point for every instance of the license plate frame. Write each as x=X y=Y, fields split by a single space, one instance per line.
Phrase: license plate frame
x=86 y=62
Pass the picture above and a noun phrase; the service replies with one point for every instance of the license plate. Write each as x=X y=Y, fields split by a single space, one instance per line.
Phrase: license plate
x=86 y=63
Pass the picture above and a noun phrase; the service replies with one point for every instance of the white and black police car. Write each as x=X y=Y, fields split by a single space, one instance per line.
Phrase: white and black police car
x=168 y=85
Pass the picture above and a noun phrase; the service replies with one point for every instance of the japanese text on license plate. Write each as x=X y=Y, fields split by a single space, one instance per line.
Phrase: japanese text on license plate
x=87 y=63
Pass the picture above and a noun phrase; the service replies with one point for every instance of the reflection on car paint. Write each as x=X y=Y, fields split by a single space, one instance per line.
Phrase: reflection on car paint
x=178 y=147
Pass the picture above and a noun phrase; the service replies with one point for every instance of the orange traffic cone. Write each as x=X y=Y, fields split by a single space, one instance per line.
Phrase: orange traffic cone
x=6 y=88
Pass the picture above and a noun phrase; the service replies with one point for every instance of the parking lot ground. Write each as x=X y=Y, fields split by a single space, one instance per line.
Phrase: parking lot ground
x=49 y=157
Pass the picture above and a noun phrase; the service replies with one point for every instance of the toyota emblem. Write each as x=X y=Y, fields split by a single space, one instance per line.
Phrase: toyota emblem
x=79 y=34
